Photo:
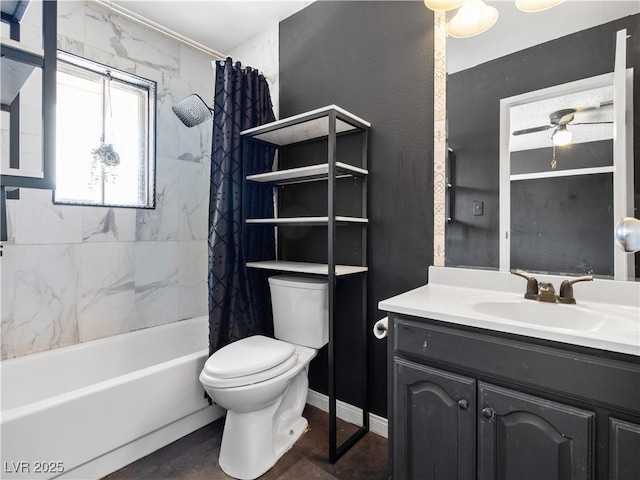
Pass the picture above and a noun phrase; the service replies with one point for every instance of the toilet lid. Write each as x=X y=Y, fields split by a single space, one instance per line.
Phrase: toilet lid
x=248 y=356
x=250 y=379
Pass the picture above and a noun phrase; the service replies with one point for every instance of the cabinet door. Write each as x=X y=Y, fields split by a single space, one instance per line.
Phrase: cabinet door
x=526 y=437
x=433 y=424
x=624 y=450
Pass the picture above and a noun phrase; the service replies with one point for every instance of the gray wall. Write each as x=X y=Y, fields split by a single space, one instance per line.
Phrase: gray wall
x=375 y=59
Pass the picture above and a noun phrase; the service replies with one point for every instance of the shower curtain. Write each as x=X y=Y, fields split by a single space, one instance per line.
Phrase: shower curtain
x=239 y=300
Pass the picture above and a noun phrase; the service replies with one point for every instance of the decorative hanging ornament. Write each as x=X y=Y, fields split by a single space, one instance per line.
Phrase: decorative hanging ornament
x=104 y=157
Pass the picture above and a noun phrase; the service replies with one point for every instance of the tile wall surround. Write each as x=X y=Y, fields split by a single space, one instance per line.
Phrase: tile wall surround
x=70 y=274
x=262 y=52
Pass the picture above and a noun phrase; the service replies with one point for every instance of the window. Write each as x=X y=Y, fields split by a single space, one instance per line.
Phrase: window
x=105 y=135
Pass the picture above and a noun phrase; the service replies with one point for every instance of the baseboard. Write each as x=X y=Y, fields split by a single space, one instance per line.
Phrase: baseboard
x=129 y=453
x=349 y=413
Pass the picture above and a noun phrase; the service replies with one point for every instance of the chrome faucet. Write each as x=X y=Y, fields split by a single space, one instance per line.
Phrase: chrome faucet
x=544 y=292
x=566 y=289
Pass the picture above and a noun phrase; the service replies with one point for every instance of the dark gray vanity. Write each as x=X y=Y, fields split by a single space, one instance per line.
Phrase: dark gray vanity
x=468 y=399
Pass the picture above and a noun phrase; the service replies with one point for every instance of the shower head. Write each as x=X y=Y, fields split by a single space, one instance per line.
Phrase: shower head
x=192 y=110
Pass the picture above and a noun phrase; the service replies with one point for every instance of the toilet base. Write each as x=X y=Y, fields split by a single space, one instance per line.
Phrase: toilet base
x=252 y=442
x=244 y=456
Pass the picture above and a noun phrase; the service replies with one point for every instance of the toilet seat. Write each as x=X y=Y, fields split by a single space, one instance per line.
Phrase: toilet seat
x=248 y=361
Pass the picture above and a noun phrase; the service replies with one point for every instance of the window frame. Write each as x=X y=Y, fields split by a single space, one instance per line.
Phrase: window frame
x=77 y=62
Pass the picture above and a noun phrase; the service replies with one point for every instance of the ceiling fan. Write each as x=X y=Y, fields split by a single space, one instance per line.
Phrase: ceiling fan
x=559 y=120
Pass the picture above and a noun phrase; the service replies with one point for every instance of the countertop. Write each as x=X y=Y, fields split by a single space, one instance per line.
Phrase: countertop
x=451 y=296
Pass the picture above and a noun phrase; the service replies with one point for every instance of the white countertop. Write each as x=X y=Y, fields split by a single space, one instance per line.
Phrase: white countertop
x=452 y=296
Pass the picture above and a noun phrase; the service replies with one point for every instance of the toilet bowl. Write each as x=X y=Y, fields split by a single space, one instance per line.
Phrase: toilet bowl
x=263 y=382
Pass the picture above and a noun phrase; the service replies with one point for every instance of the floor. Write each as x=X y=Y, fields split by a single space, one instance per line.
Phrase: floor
x=195 y=457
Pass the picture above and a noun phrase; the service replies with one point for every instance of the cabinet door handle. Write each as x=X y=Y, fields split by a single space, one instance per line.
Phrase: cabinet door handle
x=487 y=412
x=463 y=404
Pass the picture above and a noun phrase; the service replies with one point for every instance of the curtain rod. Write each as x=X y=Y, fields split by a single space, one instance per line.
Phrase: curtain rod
x=160 y=28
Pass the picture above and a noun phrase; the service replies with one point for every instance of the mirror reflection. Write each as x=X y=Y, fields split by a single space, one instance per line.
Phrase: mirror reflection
x=555 y=211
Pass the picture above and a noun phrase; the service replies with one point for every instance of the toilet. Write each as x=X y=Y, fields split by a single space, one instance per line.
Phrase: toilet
x=263 y=382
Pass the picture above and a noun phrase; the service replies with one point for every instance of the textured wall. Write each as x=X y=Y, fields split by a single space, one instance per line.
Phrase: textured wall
x=375 y=59
x=71 y=273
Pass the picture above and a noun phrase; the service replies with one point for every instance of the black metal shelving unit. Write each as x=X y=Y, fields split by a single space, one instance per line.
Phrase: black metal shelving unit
x=323 y=123
x=19 y=61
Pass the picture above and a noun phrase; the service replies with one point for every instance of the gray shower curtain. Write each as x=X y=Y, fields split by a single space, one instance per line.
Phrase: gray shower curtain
x=239 y=301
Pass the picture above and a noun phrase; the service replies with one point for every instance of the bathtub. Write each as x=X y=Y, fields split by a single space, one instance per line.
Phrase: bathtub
x=87 y=410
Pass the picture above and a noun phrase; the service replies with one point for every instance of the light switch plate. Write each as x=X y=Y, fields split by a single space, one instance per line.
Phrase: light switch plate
x=478 y=208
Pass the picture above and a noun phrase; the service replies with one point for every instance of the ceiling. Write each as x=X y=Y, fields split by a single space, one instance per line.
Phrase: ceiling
x=217 y=24
x=221 y=25
x=516 y=30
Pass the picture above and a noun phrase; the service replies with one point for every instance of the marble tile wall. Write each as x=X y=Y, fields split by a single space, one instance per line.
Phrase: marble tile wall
x=71 y=274
x=262 y=52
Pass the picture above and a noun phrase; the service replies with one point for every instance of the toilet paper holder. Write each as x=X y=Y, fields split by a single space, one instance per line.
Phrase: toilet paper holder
x=381 y=328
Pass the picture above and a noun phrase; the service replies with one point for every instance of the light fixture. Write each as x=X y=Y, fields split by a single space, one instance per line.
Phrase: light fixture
x=561 y=137
x=536 y=5
x=192 y=110
x=443 y=5
x=473 y=18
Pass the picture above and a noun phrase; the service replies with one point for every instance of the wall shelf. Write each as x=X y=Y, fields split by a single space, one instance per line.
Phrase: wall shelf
x=19 y=60
x=14 y=10
x=324 y=124
x=561 y=173
x=305 y=221
x=306 y=126
x=304 y=267
x=310 y=173
x=19 y=63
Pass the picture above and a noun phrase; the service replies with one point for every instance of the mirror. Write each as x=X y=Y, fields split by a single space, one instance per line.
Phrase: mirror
x=525 y=54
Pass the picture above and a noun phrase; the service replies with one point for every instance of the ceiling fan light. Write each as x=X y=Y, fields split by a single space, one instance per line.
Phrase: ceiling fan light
x=443 y=5
x=473 y=18
x=536 y=5
x=561 y=137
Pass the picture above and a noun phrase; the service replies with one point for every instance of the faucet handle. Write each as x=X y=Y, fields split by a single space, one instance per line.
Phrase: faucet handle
x=566 y=289
x=532 y=284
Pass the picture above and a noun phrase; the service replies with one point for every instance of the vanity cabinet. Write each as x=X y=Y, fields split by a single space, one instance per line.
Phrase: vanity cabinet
x=524 y=436
x=433 y=423
x=624 y=446
x=467 y=403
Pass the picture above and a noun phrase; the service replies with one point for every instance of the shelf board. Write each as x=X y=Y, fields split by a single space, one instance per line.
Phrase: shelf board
x=15 y=9
x=16 y=66
x=306 y=221
x=306 y=126
x=14 y=75
x=20 y=47
x=16 y=172
x=561 y=173
x=303 y=267
x=307 y=174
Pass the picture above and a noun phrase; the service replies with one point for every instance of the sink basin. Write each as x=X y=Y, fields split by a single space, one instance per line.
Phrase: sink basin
x=552 y=315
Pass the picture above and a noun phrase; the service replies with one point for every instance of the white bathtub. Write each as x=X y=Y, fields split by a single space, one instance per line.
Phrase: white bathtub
x=87 y=410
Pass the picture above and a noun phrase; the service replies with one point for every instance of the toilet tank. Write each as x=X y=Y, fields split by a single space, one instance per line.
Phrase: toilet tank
x=300 y=310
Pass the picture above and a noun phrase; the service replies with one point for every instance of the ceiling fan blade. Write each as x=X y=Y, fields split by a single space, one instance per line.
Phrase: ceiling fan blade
x=533 y=130
x=606 y=103
x=589 y=123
